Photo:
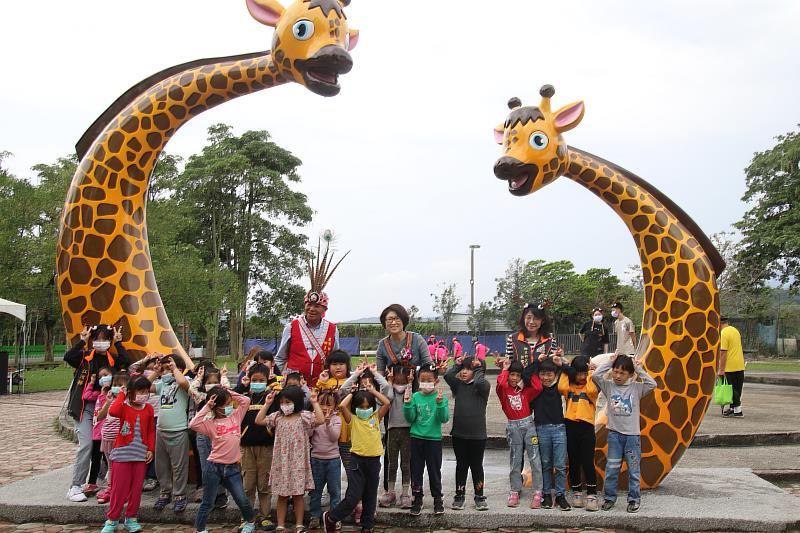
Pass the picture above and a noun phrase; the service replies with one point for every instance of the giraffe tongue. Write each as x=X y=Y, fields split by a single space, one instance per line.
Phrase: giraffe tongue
x=518 y=182
x=327 y=77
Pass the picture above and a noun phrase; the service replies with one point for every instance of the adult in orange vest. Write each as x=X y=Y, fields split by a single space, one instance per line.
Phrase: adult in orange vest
x=308 y=339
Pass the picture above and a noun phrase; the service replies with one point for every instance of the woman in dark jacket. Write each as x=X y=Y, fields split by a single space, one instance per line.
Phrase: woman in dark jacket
x=92 y=352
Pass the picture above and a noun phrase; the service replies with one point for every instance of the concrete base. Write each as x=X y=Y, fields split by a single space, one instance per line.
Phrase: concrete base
x=690 y=499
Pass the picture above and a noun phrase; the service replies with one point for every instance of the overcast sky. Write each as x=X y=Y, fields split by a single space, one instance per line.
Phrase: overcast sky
x=399 y=165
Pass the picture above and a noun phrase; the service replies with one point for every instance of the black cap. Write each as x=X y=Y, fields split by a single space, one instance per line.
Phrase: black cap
x=724 y=318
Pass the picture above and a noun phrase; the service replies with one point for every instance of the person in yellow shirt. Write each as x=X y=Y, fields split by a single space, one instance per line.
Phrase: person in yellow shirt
x=731 y=365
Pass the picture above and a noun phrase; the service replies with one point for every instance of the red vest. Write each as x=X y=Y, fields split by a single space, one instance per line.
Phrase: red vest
x=299 y=359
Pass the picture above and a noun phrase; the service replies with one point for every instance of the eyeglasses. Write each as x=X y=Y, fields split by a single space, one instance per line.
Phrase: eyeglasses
x=390 y=319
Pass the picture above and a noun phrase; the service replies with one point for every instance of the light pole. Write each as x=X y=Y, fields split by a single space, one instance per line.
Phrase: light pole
x=472 y=248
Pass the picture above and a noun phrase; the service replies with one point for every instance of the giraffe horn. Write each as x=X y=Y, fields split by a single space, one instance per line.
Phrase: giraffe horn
x=546 y=92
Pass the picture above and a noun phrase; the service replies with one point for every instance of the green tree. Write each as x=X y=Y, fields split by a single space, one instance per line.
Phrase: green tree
x=445 y=303
x=481 y=317
x=238 y=191
x=771 y=227
x=509 y=299
x=742 y=290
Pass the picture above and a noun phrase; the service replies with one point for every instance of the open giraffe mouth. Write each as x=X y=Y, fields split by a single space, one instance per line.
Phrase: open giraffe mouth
x=321 y=71
x=519 y=175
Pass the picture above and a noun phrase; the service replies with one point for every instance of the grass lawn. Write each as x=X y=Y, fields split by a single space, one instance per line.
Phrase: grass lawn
x=44 y=380
x=774 y=365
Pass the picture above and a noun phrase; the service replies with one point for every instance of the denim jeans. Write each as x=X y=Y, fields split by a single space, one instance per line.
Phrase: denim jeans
x=629 y=447
x=553 y=447
x=204 y=450
x=522 y=440
x=230 y=477
x=326 y=472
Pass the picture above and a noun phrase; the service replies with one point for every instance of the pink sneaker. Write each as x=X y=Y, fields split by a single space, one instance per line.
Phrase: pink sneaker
x=536 y=501
x=513 y=499
x=103 y=496
x=405 y=501
x=90 y=489
x=388 y=499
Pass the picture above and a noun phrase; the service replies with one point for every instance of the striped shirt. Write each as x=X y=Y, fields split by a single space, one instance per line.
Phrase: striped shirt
x=135 y=451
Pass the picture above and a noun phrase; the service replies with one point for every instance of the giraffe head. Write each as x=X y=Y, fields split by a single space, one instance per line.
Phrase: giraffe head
x=311 y=41
x=534 y=153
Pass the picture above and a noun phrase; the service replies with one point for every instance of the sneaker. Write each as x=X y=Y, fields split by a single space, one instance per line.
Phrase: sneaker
x=327 y=523
x=221 y=502
x=458 y=502
x=103 y=496
x=180 y=504
x=536 y=501
x=110 y=526
x=513 y=499
x=405 y=501
x=438 y=506
x=562 y=502
x=388 y=499
x=150 y=484
x=90 y=489
x=416 y=505
x=358 y=512
x=314 y=522
x=265 y=524
x=607 y=505
x=547 y=502
x=727 y=413
x=480 y=503
x=740 y=414
x=578 y=499
x=591 y=503
x=132 y=524
x=162 y=502
x=75 y=494
x=633 y=507
x=248 y=527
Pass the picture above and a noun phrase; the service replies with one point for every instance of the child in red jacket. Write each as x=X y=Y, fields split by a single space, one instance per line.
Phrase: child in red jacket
x=133 y=449
x=515 y=399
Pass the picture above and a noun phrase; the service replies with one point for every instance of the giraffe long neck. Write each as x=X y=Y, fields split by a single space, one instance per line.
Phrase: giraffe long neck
x=680 y=326
x=103 y=259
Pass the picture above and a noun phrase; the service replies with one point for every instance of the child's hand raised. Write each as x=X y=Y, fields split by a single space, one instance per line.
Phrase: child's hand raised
x=373 y=368
x=407 y=395
x=476 y=363
x=117 y=334
x=246 y=381
x=212 y=401
x=592 y=366
x=411 y=375
x=389 y=374
x=92 y=379
x=542 y=357
x=354 y=388
x=224 y=371
x=270 y=397
x=324 y=376
x=506 y=363
x=557 y=360
x=314 y=395
x=201 y=373
x=85 y=332
x=439 y=396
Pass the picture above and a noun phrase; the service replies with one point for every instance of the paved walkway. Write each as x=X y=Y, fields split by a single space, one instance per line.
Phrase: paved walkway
x=41 y=527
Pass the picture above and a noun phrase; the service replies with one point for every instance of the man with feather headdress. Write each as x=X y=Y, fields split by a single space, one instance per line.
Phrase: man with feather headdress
x=308 y=339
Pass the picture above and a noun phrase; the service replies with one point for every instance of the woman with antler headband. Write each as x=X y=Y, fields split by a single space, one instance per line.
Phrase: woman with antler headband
x=535 y=335
x=308 y=339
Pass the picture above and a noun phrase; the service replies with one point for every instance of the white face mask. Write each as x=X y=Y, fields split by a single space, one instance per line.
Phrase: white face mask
x=597 y=318
x=426 y=386
x=400 y=389
x=615 y=313
x=210 y=386
x=287 y=408
x=101 y=346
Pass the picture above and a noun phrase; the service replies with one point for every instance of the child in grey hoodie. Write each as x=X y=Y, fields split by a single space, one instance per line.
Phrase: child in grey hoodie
x=623 y=394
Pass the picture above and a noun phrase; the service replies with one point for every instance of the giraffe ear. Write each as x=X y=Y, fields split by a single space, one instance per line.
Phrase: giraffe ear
x=353 y=39
x=569 y=116
x=499 y=133
x=267 y=12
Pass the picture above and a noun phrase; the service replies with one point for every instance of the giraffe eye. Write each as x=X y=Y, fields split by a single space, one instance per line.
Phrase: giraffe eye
x=303 y=30
x=538 y=140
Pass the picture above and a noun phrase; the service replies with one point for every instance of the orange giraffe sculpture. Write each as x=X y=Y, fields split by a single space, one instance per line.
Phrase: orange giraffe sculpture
x=680 y=327
x=103 y=258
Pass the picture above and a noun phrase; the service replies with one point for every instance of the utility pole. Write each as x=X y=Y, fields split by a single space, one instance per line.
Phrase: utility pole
x=472 y=248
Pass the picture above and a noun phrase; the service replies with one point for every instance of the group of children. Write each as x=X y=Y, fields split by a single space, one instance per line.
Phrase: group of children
x=267 y=434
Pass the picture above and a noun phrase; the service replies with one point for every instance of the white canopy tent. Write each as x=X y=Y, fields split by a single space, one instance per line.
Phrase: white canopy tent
x=18 y=311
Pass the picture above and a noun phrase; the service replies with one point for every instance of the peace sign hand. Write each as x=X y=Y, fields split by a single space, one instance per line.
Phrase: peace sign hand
x=212 y=401
x=407 y=395
x=117 y=334
x=439 y=396
x=85 y=332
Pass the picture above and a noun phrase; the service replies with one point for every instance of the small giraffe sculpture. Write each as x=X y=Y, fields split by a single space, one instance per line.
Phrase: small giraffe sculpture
x=103 y=259
x=680 y=329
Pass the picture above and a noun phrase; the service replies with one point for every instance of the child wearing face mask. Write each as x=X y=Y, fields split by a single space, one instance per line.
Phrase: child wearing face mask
x=467 y=380
x=336 y=373
x=208 y=376
x=97 y=346
x=133 y=448
x=147 y=368
x=361 y=411
x=326 y=465
x=398 y=439
x=220 y=421
x=110 y=428
x=90 y=394
x=172 y=434
x=257 y=442
x=426 y=410
x=290 y=472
